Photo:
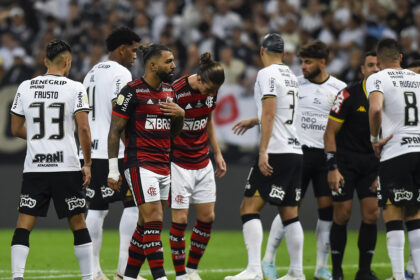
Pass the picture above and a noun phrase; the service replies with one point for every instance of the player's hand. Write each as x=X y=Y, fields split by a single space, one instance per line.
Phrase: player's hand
x=378 y=146
x=264 y=166
x=220 y=165
x=374 y=187
x=115 y=185
x=335 y=180
x=86 y=176
x=171 y=109
x=241 y=127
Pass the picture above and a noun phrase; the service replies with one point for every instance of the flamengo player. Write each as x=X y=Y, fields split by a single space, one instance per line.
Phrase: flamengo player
x=103 y=83
x=145 y=110
x=393 y=99
x=192 y=173
x=49 y=105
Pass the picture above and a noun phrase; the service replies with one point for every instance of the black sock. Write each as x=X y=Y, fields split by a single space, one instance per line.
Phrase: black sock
x=366 y=243
x=338 y=239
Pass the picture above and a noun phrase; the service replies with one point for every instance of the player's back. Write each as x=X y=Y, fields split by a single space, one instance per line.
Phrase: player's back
x=279 y=81
x=103 y=83
x=401 y=89
x=48 y=104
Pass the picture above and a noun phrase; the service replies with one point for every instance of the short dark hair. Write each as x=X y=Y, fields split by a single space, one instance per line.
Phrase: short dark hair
x=121 y=36
x=369 y=53
x=152 y=50
x=56 y=47
x=210 y=70
x=388 y=50
x=415 y=63
x=314 y=49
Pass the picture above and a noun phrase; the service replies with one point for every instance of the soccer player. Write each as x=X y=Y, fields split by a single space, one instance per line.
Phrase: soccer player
x=317 y=91
x=352 y=165
x=146 y=112
x=393 y=94
x=192 y=172
x=44 y=113
x=103 y=83
x=276 y=175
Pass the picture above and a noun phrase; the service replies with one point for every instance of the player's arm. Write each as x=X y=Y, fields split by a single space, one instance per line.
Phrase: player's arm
x=18 y=126
x=83 y=131
x=376 y=101
x=334 y=175
x=269 y=104
x=242 y=126
x=122 y=133
x=117 y=126
x=218 y=157
x=173 y=110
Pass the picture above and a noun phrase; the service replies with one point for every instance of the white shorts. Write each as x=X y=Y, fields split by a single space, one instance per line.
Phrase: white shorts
x=147 y=186
x=195 y=186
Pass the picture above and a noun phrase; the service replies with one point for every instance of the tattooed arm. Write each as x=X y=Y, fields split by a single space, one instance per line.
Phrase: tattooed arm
x=118 y=125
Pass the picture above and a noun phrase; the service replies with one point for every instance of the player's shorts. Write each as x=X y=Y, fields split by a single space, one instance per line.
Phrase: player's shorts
x=315 y=170
x=399 y=181
x=359 y=172
x=147 y=186
x=195 y=186
x=98 y=194
x=65 y=189
x=283 y=187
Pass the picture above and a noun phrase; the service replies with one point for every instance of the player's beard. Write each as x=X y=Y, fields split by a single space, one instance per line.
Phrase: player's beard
x=165 y=77
x=311 y=76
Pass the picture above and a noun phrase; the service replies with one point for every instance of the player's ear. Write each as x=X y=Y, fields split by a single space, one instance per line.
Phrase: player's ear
x=46 y=62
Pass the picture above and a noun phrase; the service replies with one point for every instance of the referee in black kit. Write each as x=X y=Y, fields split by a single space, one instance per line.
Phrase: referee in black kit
x=352 y=166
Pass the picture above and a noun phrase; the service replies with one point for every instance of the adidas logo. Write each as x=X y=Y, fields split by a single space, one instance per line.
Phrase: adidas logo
x=188 y=106
x=150 y=101
x=361 y=109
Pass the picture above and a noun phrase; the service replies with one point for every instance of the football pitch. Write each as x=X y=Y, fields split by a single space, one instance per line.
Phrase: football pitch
x=52 y=257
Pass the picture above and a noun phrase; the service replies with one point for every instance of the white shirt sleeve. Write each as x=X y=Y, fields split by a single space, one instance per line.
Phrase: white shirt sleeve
x=82 y=102
x=17 y=107
x=374 y=83
x=120 y=80
x=267 y=84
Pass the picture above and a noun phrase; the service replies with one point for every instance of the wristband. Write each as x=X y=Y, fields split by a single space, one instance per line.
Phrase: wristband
x=114 y=173
x=374 y=139
x=331 y=161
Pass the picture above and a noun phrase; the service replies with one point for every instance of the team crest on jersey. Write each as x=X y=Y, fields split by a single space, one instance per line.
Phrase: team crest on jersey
x=401 y=194
x=26 y=201
x=277 y=192
x=152 y=191
x=179 y=199
x=90 y=192
x=106 y=191
x=209 y=101
x=120 y=99
x=74 y=203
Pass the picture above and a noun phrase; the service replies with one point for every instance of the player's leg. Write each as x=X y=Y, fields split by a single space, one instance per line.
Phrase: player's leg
x=20 y=244
x=323 y=228
x=273 y=242
x=412 y=222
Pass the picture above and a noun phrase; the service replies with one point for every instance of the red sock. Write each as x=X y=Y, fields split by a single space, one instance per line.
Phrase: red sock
x=136 y=254
x=200 y=236
x=152 y=245
x=177 y=241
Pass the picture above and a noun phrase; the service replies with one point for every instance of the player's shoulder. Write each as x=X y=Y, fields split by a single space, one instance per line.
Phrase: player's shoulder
x=355 y=86
x=74 y=84
x=336 y=83
x=180 y=82
x=135 y=83
x=302 y=80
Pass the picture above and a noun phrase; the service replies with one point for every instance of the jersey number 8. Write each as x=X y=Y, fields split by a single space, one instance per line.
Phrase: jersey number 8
x=410 y=111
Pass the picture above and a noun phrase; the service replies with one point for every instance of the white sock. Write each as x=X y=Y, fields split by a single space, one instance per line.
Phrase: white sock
x=410 y=265
x=395 y=244
x=19 y=255
x=162 y=278
x=84 y=256
x=94 y=222
x=253 y=236
x=294 y=241
x=274 y=240
x=128 y=225
x=322 y=243
x=128 y=278
x=414 y=240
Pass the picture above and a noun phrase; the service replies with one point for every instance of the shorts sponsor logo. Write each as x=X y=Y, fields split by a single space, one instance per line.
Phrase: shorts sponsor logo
x=277 y=192
x=209 y=101
x=107 y=191
x=90 y=192
x=48 y=160
x=157 y=123
x=26 y=201
x=152 y=191
x=179 y=199
x=247 y=185
x=418 y=198
x=195 y=125
x=75 y=202
x=298 y=194
x=400 y=194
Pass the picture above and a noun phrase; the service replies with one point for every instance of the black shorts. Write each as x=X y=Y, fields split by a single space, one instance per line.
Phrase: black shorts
x=399 y=181
x=283 y=187
x=359 y=172
x=315 y=169
x=65 y=189
x=98 y=194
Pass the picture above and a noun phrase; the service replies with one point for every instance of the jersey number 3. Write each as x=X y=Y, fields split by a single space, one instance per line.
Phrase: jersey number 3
x=41 y=120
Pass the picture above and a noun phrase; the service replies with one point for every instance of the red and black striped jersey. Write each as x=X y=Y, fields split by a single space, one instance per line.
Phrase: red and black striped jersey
x=190 y=149
x=147 y=134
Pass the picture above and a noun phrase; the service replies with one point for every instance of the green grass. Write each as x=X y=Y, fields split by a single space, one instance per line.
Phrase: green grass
x=52 y=256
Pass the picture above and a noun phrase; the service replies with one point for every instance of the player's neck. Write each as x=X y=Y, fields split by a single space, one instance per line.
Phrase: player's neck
x=192 y=80
x=391 y=65
x=153 y=81
x=320 y=78
x=274 y=61
x=55 y=71
x=115 y=57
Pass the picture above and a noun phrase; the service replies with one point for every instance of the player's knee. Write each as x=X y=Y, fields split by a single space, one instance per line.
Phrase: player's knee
x=77 y=222
x=180 y=218
x=371 y=216
x=206 y=217
x=342 y=216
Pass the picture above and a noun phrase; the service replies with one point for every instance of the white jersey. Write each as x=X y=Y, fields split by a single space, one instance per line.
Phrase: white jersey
x=103 y=83
x=400 y=114
x=315 y=102
x=279 y=81
x=48 y=104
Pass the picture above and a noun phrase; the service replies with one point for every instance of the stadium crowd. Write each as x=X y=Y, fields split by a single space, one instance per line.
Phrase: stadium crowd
x=231 y=30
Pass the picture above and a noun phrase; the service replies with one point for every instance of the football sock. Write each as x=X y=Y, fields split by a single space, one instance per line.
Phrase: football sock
x=200 y=237
x=136 y=255
x=366 y=243
x=395 y=244
x=84 y=252
x=152 y=244
x=177 y=242
x=413 y=232
x=127 y=227
x=274 y=239
x=253 y=235
x=294 y=241
x=338 y=240
x=323 y=227
x=94 y=222
x=410 y=265
x=19 y=251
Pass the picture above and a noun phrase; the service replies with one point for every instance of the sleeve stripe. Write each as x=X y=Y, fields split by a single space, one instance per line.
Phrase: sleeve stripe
x=120 y=115
x=335 y=119
x=19 y=115
x=376 y=91
x=82 y=110
x=268 y=96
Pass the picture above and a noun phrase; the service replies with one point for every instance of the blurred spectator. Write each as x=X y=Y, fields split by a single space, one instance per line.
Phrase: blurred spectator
x=234 y=68
x=240 y=48
x=142 y=27
x=169 y=16
x=400 y=18
x=20 y=71
x=6 y=47
x=208 y=42
x=352 y=72
x=224 y=19
x=311 y=17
